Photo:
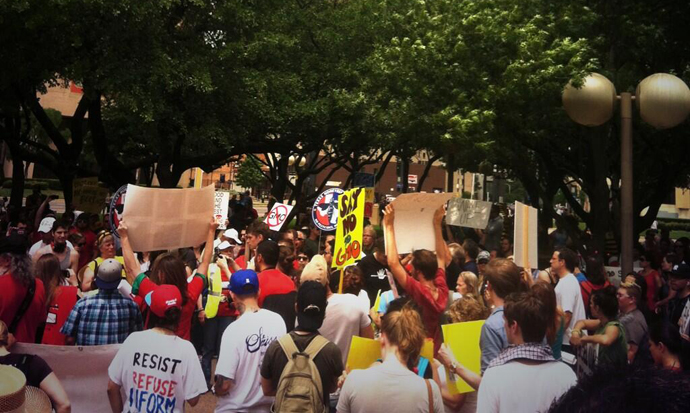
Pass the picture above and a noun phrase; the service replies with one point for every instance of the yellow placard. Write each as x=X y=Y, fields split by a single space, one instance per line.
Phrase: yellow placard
x=428 y=349
x=348 y=234
x=463 y=341
x=88 y=196
x=363 y=353
x=377 y=301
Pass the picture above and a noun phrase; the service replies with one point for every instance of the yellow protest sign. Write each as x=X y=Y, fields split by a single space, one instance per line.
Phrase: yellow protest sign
x=348 y=235
x=363 y=353
x=463 y=341
x=428 y=349
x=88 y=196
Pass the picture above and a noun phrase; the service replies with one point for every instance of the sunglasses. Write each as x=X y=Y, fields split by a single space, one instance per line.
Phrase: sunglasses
x=302 y=258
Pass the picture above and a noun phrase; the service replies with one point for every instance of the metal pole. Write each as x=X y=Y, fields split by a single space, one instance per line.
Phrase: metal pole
x=627 y=230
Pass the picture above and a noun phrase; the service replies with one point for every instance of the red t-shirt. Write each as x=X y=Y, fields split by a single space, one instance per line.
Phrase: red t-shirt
x=431 y=308
x=241 y=262
x=12 y=295
x=143 y=285
x=86 y=254
x=60 y=307
x=273 y=282
x=650 y=279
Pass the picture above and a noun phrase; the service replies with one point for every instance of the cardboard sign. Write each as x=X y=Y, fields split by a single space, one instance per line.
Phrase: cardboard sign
x=348 y=235
x=587 y=357
x=83 y=371
x=463 y=340
x=468 y=213
x=88 y=196
x=525 y=235
x=615 y=274
x=278 y=215
x=414 y=216
x=220 y=208
x=364 y=352
x=164 y=219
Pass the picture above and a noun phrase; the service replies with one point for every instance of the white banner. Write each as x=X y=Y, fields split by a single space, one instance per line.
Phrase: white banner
x=278 y=215
x=414 y=216
x=164 y=219
x=83 y=372
x=220 y=208
x=525 y=236
x=468 y=213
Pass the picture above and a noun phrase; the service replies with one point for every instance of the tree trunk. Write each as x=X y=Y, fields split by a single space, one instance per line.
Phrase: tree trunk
x=425 y=174
x=17 y=194
x=404 y=171
x=450 y=173
x=67 y=181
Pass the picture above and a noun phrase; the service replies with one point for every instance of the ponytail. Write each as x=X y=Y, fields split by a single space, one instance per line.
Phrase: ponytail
x=404 y=329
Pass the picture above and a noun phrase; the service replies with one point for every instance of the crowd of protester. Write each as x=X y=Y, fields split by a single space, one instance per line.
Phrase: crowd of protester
x=279 y=321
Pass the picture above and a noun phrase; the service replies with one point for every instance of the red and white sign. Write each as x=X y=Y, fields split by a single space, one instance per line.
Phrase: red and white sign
x=220 y=208
x=412 y=179
x=278 y=215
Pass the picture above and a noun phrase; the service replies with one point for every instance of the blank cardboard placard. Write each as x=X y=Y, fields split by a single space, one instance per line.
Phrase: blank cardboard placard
x=414 y=220
x=463 y=341
x=164 y=219
x=525 y=236
x=468 y=213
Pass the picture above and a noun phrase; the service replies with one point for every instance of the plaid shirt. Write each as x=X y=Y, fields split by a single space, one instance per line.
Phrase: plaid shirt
x=105 y=318
x=527 y=351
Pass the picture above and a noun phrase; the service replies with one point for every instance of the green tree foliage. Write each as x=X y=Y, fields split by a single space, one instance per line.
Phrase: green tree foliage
x=249 y=173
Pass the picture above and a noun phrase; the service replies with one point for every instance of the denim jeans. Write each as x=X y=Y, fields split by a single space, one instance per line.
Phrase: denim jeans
x=213 y=333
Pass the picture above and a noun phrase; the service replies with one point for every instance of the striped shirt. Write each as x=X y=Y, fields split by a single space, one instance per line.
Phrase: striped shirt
x=105 y=318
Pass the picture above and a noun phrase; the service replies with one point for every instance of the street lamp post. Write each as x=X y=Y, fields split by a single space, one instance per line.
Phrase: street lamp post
x=663 y=101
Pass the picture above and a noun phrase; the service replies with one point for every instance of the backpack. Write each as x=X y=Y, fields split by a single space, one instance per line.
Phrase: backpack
x=299 y=387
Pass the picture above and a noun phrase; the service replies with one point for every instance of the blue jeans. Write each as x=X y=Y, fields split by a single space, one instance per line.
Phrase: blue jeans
x=213 y=333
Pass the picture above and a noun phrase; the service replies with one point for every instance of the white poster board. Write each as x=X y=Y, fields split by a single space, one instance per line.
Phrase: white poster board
x=220 y=208
x=414 y=215
x=615 y=276
x=468 y=213
x=83 y=371
x=164 y=219
x=277 y=216
x=525 y=236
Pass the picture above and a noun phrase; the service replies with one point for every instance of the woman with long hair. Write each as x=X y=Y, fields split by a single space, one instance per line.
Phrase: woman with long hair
x=393 y=385
x=555 y=327
x=607 y=331
x=174 y=378
x=169 y=269
x=467 y=284
x=665 y=344
x=596 y=280
x=651 y=278
x=60 y=298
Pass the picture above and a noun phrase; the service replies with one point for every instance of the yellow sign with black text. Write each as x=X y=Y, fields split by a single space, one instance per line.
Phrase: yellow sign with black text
x=348 y=234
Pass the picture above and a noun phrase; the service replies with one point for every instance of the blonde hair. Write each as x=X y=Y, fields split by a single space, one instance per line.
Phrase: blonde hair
x=466 y=308
x=404 y=329
x=457 y=252
x=471 y=281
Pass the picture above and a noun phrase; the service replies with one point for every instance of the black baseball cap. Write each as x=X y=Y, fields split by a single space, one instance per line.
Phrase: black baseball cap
x=681 y=271
x=311 y=305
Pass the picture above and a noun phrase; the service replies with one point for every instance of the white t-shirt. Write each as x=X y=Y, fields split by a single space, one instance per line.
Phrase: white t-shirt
x=520 y=387
x=470 y=404
x=37 y=246
x=157 y=372
x=242 y=350
x=364 y=300
x=387 y=387
x=345 y=317
x=569 y=298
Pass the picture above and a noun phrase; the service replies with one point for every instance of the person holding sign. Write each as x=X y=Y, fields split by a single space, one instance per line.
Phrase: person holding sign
x=427 y=282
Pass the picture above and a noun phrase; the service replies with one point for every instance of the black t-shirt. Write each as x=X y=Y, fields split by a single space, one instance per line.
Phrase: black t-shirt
x=34 y=368
x=375 y=277
x=328 y=362
x=284 y=305
x=453 y=271
x=675 y=309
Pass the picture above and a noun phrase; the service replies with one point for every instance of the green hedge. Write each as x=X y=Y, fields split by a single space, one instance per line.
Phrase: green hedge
x=42 y=184
x=675 y=225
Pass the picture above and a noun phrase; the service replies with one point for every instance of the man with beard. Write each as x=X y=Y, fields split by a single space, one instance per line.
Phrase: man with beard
x=69 y=258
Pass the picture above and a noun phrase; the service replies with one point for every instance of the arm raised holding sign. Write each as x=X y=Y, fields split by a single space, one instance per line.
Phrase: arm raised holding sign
x=391 y=247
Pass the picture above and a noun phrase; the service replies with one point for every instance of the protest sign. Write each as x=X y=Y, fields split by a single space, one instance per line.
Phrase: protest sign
x=587 y=357
x=83 y=371
x=368 y=202
x=278 y=215
x=414 y=216
x=163 y=219
x=463 y=341
x=468 y=213
x=525 y=235
x=348 y=235
x=324 y=213
x=364 y=352
x=88 y=196
x=615 y=274
x=220 y=208
x=117 y=207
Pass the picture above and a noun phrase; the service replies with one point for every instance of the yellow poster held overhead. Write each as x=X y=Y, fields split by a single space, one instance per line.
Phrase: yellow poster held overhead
x=463 y=341
x=348 y=234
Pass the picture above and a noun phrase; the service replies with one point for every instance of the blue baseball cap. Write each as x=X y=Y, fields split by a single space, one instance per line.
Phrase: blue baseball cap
x=244 y=282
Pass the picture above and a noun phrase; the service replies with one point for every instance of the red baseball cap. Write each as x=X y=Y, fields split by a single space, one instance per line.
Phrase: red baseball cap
x=164 y=297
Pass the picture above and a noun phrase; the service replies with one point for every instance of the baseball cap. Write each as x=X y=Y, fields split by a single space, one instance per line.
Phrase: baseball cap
x=311 y=305
x=244 y=282
x=162 y=298
x=484 y=256
x=109 y=274
x=681 y=271
x=315 y=270
x=224 y=245
x=233 y=235
x=46 y=225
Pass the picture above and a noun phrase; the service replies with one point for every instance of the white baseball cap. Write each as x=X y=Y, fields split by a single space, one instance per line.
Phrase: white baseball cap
x=46 y=225
x=233 y=235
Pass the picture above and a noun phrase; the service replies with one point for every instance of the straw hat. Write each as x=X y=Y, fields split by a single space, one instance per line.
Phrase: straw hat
x=17 y=397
